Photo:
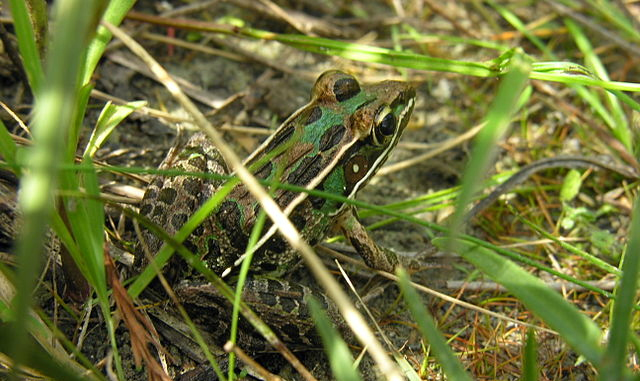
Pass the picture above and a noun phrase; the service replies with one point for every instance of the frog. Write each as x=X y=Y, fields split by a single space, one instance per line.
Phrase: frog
x=335 y=143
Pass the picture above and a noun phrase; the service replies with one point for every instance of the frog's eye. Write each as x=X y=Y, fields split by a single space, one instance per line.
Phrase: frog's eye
x=345 y=88
x=385 y=125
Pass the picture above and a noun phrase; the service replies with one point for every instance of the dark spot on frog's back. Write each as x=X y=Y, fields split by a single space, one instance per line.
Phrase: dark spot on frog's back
x=265 y=171
x=316 y=201
x=345 y=88
x=291 y=330
x=167 y=195
x=159 y=214
x=299 y=220
x=331 y=137
x=268 y=299
x=195 y=156
x=212 y=245
x=192 y=185
x=198 y=162
x=308 y=169
x=198 y=231
x=280 y=138
x=229 y=216
x=152 y=192
x=146 y=209
x=178 y=220
x=314 y=116
x=275 y=244
x=288 y=304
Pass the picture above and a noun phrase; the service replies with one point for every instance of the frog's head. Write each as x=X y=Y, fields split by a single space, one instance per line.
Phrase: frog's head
x=372 y=118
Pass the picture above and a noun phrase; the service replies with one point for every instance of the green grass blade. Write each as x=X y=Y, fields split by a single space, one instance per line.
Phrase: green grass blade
x=512 y=19
x=109 y=118
x=78 y=123
x=427 y=325
x=114 y=14
x=39 y=21
x=595 y=261
x=627 y=100
x=8 y=148
x=242 y=277
x=617 y=119
x=63 y=233
x=336 y=349
x=86 y=217
x=412 y=33
x=505 y=104
x=358 y=52
x=54 y=112
x=529 y=359
x=575 y=328
x=615 y=357
x=612 y=14
x=27 y=44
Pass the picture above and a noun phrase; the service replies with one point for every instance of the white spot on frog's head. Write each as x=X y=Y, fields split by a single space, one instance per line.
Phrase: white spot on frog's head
x=355 y=168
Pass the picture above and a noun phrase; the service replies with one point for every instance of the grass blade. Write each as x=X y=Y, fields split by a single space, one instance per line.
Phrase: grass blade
x=576 y=329
x=8 y=148
x=110 y=117
x=427 y=325
x=614 y=358
x=114 y=14
x=336 y=349
x=529 y=359
x=54 y=112
x=27 y=44
x=507 y=101
x=616 y=118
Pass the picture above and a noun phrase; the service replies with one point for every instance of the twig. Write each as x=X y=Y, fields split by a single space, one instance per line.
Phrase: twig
x=540 y=165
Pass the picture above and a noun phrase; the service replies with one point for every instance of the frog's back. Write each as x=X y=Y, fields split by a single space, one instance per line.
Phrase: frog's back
x=335 y=144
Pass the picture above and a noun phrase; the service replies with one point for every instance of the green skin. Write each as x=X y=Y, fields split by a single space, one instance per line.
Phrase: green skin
x=336 y=143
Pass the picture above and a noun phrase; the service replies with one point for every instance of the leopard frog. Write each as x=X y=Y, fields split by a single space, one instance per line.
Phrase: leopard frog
x=335 y=143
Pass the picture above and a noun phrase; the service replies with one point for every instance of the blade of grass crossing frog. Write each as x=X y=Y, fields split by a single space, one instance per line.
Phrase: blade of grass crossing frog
x=242 y=277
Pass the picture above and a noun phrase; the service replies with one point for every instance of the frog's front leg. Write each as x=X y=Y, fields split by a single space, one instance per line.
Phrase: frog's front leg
x=374 y=256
